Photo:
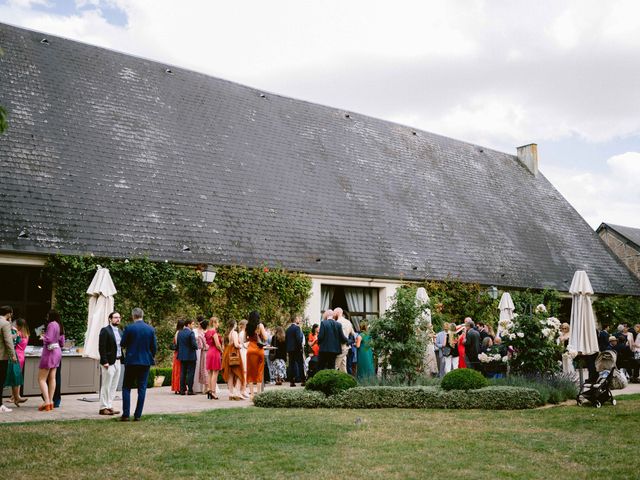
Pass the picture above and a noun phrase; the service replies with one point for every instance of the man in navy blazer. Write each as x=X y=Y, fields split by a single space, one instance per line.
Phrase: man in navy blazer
x=187 y=347
x=330 y=338
x=295 y=338
x=140 y=343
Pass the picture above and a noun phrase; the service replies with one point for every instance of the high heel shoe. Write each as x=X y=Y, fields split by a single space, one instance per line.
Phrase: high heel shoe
x=44 y=407
x=209 y=396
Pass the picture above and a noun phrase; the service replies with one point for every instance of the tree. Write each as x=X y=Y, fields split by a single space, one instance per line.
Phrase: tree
x=395 y=337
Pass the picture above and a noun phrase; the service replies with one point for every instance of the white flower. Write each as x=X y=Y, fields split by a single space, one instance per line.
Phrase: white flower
x=515 y=315
x=496 y=357
x=546 y=331
x=511 y=336
x=541 y=309
x=505 y=359
x=520 y=334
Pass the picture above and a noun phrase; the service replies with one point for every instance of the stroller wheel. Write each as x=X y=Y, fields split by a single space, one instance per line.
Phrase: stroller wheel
x=579 y=402
x=613 y=401
x=597 y=404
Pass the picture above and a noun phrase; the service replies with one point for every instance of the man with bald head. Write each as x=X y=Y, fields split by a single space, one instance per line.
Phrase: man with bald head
x=330 y=340
x=347 y=330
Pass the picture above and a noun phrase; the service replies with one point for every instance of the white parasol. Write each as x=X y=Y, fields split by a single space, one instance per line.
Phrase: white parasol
x=102 y=291
x=422 y=298
x=507 y=310
x=582 y=331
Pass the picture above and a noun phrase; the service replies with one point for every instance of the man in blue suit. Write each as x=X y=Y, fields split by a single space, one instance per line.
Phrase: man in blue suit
x=139 y=341
x=187 y=347
x=330 y=338
x=295 y=337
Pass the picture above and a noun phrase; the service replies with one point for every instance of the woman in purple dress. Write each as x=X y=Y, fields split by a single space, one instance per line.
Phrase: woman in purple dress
x=52 y=340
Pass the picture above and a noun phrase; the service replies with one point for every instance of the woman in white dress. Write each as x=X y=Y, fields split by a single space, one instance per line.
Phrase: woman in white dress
x=244 y=343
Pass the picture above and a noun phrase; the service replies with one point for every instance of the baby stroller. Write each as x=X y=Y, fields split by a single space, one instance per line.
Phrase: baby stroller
x=598 y=392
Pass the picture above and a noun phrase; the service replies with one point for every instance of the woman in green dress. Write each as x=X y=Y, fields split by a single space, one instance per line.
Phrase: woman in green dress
x=14 y=373
x=365 y=354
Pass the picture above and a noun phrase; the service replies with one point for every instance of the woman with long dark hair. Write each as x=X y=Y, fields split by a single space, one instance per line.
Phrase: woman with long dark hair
x=280 y=363
x=53 y=341
x=257 y=335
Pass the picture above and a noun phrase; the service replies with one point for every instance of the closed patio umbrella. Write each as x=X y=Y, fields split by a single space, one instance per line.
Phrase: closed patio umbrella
x=507 y=309
x=430 y=361
x=583 y=340
x=582 y=333
x=102 y=291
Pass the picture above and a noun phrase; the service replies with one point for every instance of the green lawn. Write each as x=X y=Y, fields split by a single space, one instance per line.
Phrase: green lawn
x=556 y=443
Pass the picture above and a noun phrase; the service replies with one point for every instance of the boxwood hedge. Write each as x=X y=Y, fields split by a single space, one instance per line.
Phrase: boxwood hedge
x=489 y=398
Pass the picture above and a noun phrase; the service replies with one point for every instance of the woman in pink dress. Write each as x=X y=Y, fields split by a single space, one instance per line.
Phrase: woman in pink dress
x=52 y=340
x=461 y=350
x=214 y=357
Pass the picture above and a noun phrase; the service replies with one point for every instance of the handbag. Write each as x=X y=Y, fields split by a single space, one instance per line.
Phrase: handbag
x=234 y=358
x=173 y=346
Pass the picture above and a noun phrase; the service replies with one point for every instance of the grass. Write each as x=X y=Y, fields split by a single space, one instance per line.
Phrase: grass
x=566 y=442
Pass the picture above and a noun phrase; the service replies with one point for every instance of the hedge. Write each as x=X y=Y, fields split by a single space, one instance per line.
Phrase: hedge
x=291 y=399
x=488 y=398
x=331 y=382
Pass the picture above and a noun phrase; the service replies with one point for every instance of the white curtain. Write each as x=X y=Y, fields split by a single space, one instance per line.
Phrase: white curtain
x=355 y=299
x=327 y=292
x=371 y=297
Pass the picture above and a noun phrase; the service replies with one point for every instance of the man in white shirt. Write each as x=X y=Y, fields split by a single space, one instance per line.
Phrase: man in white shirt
x=110 y=356
x=347 y=329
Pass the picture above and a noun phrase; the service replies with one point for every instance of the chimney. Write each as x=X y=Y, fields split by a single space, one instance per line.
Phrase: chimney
x=528 y=155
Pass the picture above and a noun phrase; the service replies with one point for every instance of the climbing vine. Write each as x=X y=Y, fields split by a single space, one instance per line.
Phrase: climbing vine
x=167 y=292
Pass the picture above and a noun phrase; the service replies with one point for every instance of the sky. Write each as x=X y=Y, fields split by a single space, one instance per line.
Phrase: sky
x=497 y=73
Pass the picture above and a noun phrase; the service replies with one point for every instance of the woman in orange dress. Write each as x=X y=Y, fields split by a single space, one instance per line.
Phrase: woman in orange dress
x=175 y=367
x=232 y=368
x=257 y=336
x=313 y=340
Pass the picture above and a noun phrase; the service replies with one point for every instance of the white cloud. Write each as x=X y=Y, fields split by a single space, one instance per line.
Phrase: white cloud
x=610 y=196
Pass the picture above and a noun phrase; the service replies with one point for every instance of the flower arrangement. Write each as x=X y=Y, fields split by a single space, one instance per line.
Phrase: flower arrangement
x=533 y=340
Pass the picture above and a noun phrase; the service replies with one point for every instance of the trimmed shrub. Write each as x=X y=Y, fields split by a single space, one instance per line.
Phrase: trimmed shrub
x=463 y=379
x=331 y=382
x=290 y=399
x=489 y=398
x=552 y=389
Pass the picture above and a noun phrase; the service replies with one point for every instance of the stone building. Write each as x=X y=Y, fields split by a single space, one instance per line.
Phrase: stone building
x=624 y=242
x=113 y=155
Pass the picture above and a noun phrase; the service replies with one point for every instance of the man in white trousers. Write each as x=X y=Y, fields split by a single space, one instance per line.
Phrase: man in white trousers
x=110 y=356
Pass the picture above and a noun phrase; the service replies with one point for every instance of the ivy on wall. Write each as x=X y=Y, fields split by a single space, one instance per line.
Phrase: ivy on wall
x=167 y=292
x=616 y=310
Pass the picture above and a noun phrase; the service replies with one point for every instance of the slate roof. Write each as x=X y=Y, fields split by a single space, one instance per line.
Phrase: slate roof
x=109 y=154
x=630 y=233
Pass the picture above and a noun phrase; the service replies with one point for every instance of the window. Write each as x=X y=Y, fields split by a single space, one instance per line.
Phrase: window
x=359 y=302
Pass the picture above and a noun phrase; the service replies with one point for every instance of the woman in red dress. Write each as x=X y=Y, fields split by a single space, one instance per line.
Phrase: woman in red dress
x=214 y=356
x=175 y=368
x=460 y=329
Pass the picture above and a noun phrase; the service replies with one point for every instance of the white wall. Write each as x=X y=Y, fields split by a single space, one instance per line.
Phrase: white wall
x=387 y=288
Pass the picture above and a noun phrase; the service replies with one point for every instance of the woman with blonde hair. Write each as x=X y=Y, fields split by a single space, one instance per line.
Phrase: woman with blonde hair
x=232 y=367
x=214 y=357
x=244 y=344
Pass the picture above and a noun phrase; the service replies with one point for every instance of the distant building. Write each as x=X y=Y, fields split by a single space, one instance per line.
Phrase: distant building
x=624 y=242
x=118 y=156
